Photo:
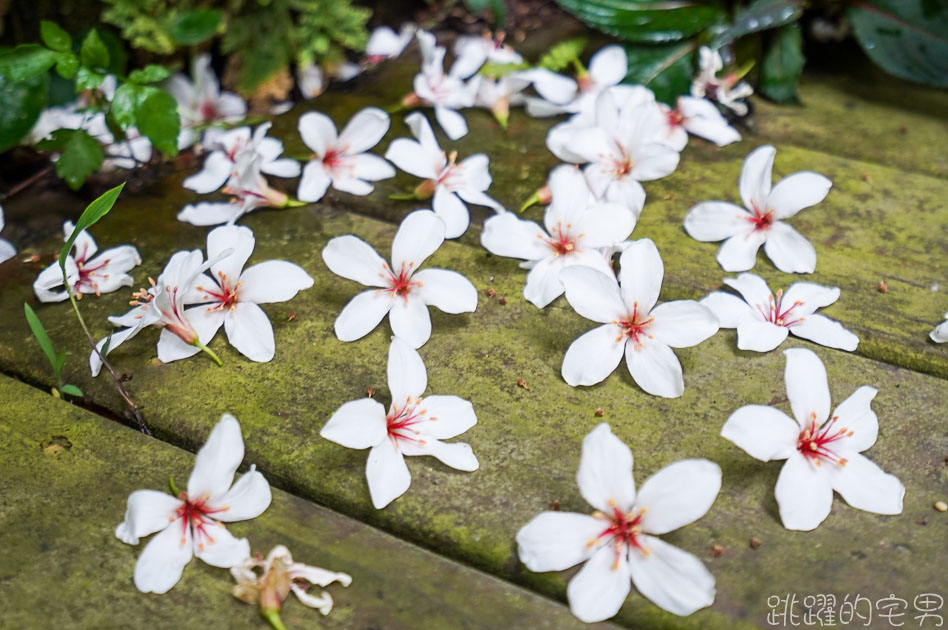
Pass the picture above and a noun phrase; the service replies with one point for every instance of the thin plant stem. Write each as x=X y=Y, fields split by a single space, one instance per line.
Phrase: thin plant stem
x=273 y=616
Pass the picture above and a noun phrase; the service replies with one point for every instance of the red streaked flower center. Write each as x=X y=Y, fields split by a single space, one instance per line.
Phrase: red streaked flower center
x=562 y=241
x=401 y=419
x=761 y=220
x=208 y=110
x=225 y=296
x=622 y=532
x=814 y=441
x=675 y=117
x=775 y=312
x=333 y=158
x=636 y=325
x=197 y=515
x=400 y=285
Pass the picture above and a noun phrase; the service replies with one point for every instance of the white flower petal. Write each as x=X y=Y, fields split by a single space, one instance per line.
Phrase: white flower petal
x=457 y=455
x=410 y=320
x=507 y=235
x=219 y=548
x=357 y=424
x=762 y=432
x=246 y=499
x=671 y=578
x=655 y=368
x=605 y=472
x=386 y=473
x=682 y=323
x=413 y=158
x=362 y=314
x=479 y=198
x=678 y=494
x=172 y=348
x=605 y=224
x=450 y=209
x=273 y=281
x=315 y=181
x=826 y=332
x=726 y=307
x=856 y=414
x=363 y=131
x=811 y=296
x=544 y=283
x=554 y=541
x=755 y=178
x=807 y=386
x=321 y=602
x=217 y=168
x=712 y=221
x=640 y=275
x=865 y=486
x=206 y=321
x=754 y=291
x=160 y=564
x=598 y=591
x=796 y=192
x=627 y=192
x=446 y=290
x=148 y=511
x=453 y=123
x=654 y=161
x=939 y=334
x=593 y=356
x=608 y=66
x=286 y=167
x=448 y=416
x=419 y=236
x=52 y=277
x=210 y=213
x=739 y=252
x=239 y=240
x=553 y=87
x=114 y=341
x=753 y=333
x=789 y=250
x=407 y=377
x=249 y=330
x=351 y=257
x=7 y=250
x=217 y=461
x=804 y=494
x=318 y=132
x=369 y=167
x=351 y=185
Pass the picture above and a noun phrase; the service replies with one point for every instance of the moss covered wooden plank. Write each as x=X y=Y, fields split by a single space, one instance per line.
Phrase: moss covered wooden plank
x=527 y=438
x=67 y=474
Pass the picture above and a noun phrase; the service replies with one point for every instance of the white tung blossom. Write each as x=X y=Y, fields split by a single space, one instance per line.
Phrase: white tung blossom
x=938 y=335
x=447 y=93
x=619 y=542
x=823 y=451
x=200 y=100
x=729 y=90
x=401 y=291
x=449 y=182
x=86 y=272
x=760 y=221
x=763 y=319
x=7 y=250
x=191 y=523
x=412 y=426
x=576 y=228
x=384 y=43
x=562 y=95
x=697 y=116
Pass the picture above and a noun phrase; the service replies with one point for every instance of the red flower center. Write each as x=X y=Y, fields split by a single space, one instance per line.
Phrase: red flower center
x=400 y=421
x=225 y=296
x=775 y=314
x=814 y=441
x=675 y=117
x=196 y=514
x=635 y=326
x=761 y=220
x=400 y=285
x=562 y=241
x=209 y=111
x=622 y=532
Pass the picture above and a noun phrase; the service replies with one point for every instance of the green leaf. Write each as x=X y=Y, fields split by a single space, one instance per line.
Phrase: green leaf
x=26 y=60
x=72 y=390
x=497 y=7
x=118 y=58
x=67 y=65
x=87 y=79
x=90 y=216
x=22 y=103
x=43 y=339
x=93 y=52
x=667 y=69
x=55 y=37
x=125 y=103
x=157 y=119
x=907 y=38
x=646 y=21
x=149 y=74
x=563 y=54
x=194 y=27
x=760 y=15
x=82 y=155
x=782 y=64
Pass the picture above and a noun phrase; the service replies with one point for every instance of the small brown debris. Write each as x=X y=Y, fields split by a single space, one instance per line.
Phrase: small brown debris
x=522 y=383
x=669 y=196
x=882 y=287
x=370 y=391
x=125 y=377
x=717 y=550
x=291 y=316
x=755 y=543
x=502 y=301
x=32 y=259
x=555 y=505
x=903 y=129
x=941 y=506
x=600 y=413
x=490 y=292
x=921 y=522
x=865 y=177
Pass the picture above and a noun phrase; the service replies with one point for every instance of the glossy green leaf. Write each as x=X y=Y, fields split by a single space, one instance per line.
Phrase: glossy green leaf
x=907 y=38
x=23 y=102
x=54 y=37
x=646 y=21
x=157 y=119
x=194 y=27
x=67 y=65
x=72 y=390
x=26 y=60
x=89 y=217
x=93 y=52
x=42 y=338
x=666 y=69
x=782 y=64
x=760 y=15
x=149 y=74
x=81 y=156
x=124 y=107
